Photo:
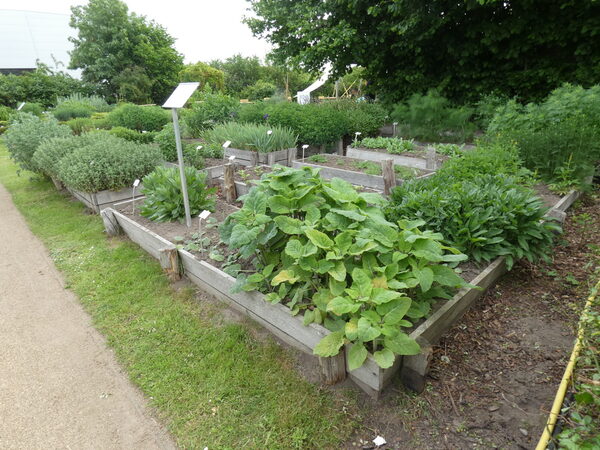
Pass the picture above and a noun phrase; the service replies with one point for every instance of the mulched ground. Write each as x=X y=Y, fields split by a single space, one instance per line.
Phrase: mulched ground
x=494 y=377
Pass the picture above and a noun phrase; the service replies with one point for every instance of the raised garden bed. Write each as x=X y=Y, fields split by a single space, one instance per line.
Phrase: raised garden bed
x=356 y=171
x=416 y=159
x=277 y=318
x=97 y=201
x=243 y=178
x=274 y=317
x=251 y=158
x=372 y=379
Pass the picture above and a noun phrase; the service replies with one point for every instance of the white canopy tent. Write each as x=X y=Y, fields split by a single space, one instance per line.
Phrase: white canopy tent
x=303 y=96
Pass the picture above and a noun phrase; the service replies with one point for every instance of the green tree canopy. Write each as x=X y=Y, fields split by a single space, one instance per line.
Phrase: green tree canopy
x=114 y=46
x=204 y=74
x=466 y=48
x=240 y=72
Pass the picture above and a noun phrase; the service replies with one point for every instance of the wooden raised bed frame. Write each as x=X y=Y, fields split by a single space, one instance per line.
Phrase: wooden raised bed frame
x=277 y=318
x=401 y=160
x=251 y=158
x=356 y=178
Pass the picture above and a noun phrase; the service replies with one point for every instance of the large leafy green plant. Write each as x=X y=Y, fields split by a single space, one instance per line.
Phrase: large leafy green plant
x=164 y=200
x=326 y=250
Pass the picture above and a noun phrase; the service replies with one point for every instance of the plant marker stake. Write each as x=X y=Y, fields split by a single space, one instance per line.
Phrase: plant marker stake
x=225 y=145
x=21 y=106
x=177 y=99
x=394 y=125
x=304 y=147
x=136 y=183
x=202 y=216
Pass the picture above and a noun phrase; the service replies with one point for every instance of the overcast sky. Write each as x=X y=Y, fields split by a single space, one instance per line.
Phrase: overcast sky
x=203 y=29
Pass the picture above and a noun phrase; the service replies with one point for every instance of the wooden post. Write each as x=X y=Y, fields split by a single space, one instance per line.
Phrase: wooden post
x=431 y=161
x=254 y=159
x=333 y=369
x=389 y=176
x=57 y=184
x=292 y=156
x=415 y=367
x=169 y=261
x=340 y=147
x=229 y=183
x=110 y=223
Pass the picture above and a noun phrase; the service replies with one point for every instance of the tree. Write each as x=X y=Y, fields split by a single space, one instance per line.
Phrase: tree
x=240 y=72
x=465 y=49
x=204 y=74
x=112 y=42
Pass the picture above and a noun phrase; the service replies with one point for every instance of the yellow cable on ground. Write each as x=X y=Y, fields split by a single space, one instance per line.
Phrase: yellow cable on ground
x=562 y=389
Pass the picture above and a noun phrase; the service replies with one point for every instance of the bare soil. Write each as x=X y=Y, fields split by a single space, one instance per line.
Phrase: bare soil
x=494 y=376
x=355 y=164
x=246 y=174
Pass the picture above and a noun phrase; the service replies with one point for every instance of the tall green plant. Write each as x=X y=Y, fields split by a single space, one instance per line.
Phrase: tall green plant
x=260 y=138
x=327 y=251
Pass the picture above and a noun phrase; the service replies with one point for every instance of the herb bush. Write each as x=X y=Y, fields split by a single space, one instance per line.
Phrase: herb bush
x=213 y=108
x=133 y=135
x=140 y=118
x=26 y=132
x=81 y=125
x=363 y=117
x=107 y=163
x=93 y=102
x=49 y=153
x=562 y=130
x=252 y=137
x=326 y=250
x=36 y=109
x=431 y=117
x=5 y=113
x=451 y=150
x=482 y=213
x=164 y=201
x=392 y=145
x=72 y=110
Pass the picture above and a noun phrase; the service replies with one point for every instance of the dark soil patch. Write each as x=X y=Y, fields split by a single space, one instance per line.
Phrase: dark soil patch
x=246 y=174
x=494 y=376
x=212 y=162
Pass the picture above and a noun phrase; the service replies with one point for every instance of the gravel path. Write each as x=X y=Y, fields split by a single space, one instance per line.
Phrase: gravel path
x=60 y=385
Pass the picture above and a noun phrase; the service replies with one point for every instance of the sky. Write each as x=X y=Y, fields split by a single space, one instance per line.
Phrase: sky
x=203 y=29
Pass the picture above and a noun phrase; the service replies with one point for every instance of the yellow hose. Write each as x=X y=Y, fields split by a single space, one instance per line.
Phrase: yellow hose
x=562 y=389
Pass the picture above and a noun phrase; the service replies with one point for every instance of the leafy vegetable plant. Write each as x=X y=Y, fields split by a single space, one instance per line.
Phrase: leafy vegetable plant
x=392 y=145
x=164 y=201
x=326 y=250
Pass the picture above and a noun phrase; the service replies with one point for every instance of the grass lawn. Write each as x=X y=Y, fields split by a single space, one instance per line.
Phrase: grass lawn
x=211 y=382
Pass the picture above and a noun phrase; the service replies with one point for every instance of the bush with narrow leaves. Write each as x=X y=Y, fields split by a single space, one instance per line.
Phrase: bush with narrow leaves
x=140 y=118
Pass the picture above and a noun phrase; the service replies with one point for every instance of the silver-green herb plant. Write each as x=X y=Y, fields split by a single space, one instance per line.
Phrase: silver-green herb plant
x=260 y=138
x=327 y=251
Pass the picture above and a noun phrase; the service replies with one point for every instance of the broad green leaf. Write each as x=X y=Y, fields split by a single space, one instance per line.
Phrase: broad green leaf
x=288 y=225
x=342 y=305
x=338 y=272
x=362 y=281
x=256 y=278
x=373 y=199
x=454 y=258
x=337 y=287
x=313 y=214
x=323 y=266
x=402 y=344
x=319 y=238
x=372 y=316
x=343 y=241
x=396 y=315
x=384 y=358
x=294 y=249
x=330 y=345
x=380 y=296
x=425 y=277
x=285 y=276
x=353 y=215
x=216 y=256
x=446 y=276
x=309 y=317
x=380 y=282
x=279 y=204
x=367 y=332
x=256 y=202
x=351 y=329
x=356 y=356
x=272 y=297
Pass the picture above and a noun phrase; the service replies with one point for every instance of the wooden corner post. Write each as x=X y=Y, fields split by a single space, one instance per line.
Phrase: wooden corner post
x=229 y=183
x=389 y=176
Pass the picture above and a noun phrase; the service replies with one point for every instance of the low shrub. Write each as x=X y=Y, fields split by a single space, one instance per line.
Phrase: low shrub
x=81 y=125
x=213 y=108
x=164 y=200
x=259 y=90
x=26 y=132
x=451 y=150
x=33 y=108
x=50 y=152
x=327 y=251
x=107 y=164
x=133 y=135
x=562 y=130
x=363 y=117
x=140 y=118
x=392 y=145
x=431 y=117
x=94 y=102
x=194 y=156
x=5 y=113
x=261 y=138
x=72 y=110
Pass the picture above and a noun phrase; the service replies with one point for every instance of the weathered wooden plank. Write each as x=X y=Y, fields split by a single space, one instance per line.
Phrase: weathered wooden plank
x=104 y=199
x=169 y=261
x=110 y=222
x=566 y=202
x=409 y=161
x=356 y=178
x=145 y=238
x=229 y=184
x=388 y=175
x=214 y=172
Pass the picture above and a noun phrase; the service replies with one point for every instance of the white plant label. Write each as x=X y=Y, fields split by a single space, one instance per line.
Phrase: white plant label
x=379 y=441
x=204 y=214
x=270 y=132
x=199 y=147
x=136 y=183
x=226 y=144
x=232 y=157
x=358 y=133
x=305 y=146
x=21 y=106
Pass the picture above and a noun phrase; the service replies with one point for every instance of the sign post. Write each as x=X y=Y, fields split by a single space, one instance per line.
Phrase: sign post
x=180 y=95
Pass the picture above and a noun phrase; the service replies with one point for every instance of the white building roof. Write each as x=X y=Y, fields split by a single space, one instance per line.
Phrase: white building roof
x=28 y=36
